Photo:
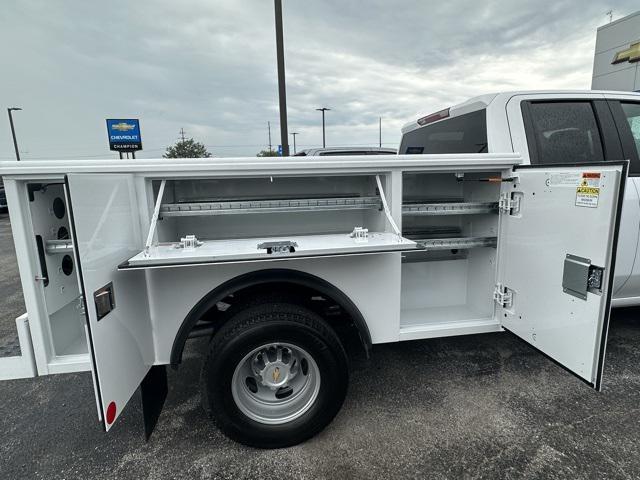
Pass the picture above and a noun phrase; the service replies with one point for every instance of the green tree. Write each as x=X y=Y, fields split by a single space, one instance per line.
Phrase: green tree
x=267 y=153
x=188 y=148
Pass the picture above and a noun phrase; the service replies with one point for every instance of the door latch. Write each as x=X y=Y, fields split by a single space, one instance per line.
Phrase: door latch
x=580 y=277
x=104 y=300
x=282 y=247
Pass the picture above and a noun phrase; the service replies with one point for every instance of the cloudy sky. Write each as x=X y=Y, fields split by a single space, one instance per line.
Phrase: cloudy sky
x=209 y=66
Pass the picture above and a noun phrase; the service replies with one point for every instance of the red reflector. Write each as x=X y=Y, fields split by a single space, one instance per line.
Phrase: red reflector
x=434 y=117
x=111 y=413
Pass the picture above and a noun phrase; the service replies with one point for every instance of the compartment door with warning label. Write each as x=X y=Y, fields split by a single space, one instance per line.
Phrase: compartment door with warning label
x=556 y=252
x=106 y=231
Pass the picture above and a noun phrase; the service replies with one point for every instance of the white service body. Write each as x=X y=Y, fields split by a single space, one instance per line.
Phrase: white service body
x=482 y=245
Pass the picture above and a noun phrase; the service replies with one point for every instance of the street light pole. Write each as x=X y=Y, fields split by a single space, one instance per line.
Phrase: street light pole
x=380 y=132
x=323 y=109
x=13 y=130
x=282 y=89
x=294 y=142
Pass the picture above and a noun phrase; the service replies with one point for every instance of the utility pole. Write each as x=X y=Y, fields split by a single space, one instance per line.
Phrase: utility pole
x=13 y=130
x=323 y=109
x=610 y=13
x=294 y=142
x=282 y=90
x=269 y=127
x=182 y=134
x=380 y=132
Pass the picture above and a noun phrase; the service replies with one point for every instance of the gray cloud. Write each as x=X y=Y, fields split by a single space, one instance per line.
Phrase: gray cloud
x=210 y=66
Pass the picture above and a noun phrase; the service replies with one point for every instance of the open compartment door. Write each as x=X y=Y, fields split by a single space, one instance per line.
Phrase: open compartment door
x=106 y=231
x=191 y=251
x=556 y=250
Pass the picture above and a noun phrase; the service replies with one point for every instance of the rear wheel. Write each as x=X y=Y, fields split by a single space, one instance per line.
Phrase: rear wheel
x=276 y=375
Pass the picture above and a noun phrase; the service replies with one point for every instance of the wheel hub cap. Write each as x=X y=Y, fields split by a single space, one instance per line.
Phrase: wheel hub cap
x=275 y=383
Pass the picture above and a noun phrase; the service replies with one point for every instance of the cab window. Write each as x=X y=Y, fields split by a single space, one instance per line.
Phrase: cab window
x=460 y=134
x=562 y=132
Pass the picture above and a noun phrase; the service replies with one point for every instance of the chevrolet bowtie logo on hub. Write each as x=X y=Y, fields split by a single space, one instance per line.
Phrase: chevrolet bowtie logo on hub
x=631 y=54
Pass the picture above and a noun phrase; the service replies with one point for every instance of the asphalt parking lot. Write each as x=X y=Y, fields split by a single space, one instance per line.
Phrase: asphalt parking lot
x=484 y=406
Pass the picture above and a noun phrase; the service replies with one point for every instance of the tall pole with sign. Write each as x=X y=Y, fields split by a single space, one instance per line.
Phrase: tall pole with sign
x=124 y=135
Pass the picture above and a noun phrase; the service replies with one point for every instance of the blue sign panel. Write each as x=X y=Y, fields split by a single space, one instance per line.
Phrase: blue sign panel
x=124 y=134
x=280 y=150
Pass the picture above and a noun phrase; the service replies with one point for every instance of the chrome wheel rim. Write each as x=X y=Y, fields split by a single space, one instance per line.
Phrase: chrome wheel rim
x=275 y=383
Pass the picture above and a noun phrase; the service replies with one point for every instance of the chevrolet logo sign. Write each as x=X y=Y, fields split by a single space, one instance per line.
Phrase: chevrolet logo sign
x=631 y=54
x=123 y=127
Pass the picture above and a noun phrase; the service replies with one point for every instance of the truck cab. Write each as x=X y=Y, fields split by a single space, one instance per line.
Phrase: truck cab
x=549 y=128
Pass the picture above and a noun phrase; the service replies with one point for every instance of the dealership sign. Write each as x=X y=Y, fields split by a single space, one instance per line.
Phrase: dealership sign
x=124 y=134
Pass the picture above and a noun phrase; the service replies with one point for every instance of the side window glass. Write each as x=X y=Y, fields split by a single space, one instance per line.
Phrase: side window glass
x=632 y=112
x=564 y=132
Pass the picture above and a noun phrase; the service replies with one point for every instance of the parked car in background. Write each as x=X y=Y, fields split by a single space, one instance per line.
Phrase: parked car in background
x=334 y=151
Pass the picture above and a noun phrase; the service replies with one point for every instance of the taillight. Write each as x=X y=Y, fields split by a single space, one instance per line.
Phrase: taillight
x=434 y=117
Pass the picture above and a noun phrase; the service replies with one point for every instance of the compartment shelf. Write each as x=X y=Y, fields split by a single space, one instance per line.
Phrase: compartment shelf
x=270 y=206
x=448 y=208
x=456 y=243
x=253 y=249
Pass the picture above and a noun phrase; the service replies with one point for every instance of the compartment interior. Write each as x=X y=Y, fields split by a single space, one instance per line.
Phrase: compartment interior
x=54 y=250
x=455 y=218
x=234 y=208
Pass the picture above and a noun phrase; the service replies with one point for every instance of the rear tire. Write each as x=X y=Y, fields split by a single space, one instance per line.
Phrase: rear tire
x=276 y=374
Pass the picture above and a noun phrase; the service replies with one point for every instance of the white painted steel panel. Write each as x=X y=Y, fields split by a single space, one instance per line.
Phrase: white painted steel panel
x=532 y=249
x=244 y=249
x=372 y=283
x=23 y=365
x=107 y=231
x=29 y=268
x=251 y=166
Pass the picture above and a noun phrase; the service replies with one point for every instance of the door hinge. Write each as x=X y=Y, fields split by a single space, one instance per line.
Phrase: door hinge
x=503 y=296
x=510 y=202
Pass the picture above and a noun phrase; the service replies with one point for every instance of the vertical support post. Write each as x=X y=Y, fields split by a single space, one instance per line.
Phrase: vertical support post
x=154 y=219
x=282 y=90
x=385 y=206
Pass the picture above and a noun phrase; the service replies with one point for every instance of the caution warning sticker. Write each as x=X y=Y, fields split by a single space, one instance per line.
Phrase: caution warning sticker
x=587 y=196
x=588 y=191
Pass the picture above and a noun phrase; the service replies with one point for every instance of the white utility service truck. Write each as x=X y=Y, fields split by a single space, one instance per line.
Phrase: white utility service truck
x=278 y=260
x=547 y=128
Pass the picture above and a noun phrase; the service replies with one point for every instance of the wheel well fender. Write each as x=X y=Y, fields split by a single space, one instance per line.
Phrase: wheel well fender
x=265 y=277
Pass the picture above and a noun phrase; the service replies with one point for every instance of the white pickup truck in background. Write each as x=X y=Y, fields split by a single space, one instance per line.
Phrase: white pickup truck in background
x=549 y=127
